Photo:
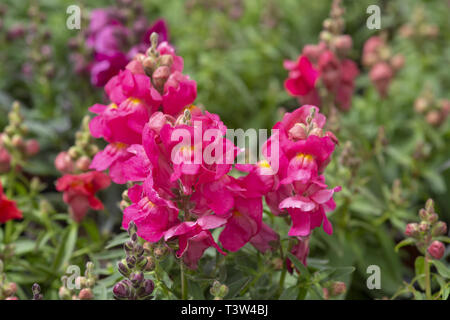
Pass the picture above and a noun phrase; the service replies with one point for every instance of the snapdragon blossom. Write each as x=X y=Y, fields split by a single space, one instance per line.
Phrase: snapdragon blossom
x=178 y=159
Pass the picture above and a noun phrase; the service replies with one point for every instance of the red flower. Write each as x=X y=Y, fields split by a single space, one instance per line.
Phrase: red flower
x=79 y=192
x=8 y=208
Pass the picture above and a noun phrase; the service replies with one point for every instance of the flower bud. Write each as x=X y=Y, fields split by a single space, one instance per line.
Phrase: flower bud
x=32 y=147
x=86 y=294
x=83 y=163
x=338 y=288
x=429 y=205
x=64 y=293
x=121 y=290
x=436 y=249
x=343 y=44
x=160 y=77
x=421 y=105
x=424 y=226
x=64 y=163
x=149 y=64
x=434 y=118
x=17 y=141
x=10 y=289
x=439 y=229
x=150 y=265
x=397 y=62
x=123 y=269
x=412 y=230
x=166 y=60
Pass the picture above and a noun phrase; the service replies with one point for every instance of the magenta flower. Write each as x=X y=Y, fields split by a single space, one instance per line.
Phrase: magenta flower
x=302 y=76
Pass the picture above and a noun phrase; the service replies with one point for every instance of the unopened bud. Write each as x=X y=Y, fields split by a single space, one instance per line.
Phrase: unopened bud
x=160 y=77
x=439 y=229
x=338 y=288
x=86 y=294
x=436 y=249
x=166 y=60
x=64 y=293
x=412 y=229
x=32 y=147
x=149 y=64
x=83 y=163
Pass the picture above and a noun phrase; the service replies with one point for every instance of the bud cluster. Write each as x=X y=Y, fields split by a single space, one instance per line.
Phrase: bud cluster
x=36 y=289
x=425 y=232
x=333 y=289
x=434 y=110
x=327 y=62
x=383 y=64
x=78 y=158
x=84 y=283
x=419 y=28
x=110 y=38
x=7 y=289
x=39 y=54
x=134 y=286
x=15 y=149
x=218 y=290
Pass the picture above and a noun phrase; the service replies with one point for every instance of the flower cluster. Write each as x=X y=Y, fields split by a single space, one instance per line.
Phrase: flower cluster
x=39 y=54
x=7 y=289
x=84 y=285
x=114 y=36
x=425 y=233
x=323 y=74
x=419 y=28
x=78 y=184
x=435 y=111
x=15 y=149
x=382 y=63
x=179 y=161
x=298 y=188
x=135 y=286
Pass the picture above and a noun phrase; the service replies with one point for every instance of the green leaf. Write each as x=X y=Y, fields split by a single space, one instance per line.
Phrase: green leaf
x=341 y=272
x=419 y=266
x=117 y=240
x=442 y=269
x=290 y=293
x=66 y=247
x=298 y=264
x=236 y=287
x=403 y=243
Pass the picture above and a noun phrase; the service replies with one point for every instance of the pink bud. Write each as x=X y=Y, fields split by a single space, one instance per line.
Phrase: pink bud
x=12 y=298
x=343 y=43
x=83 y=163
x=412 y=229
x=86 y=294
x=64 y=163
x=436 y=249
x=381 y=75
x=397 y=62
x=32 y=147
x=338 y=288
x=434 y=118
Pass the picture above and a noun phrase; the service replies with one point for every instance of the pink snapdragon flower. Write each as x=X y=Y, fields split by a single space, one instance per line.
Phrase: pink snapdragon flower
x=79 y=192
x=302 y=76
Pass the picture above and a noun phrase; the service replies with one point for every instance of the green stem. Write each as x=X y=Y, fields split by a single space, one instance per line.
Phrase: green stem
x=283 y=272
x=184 y=286
x=427 y=278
